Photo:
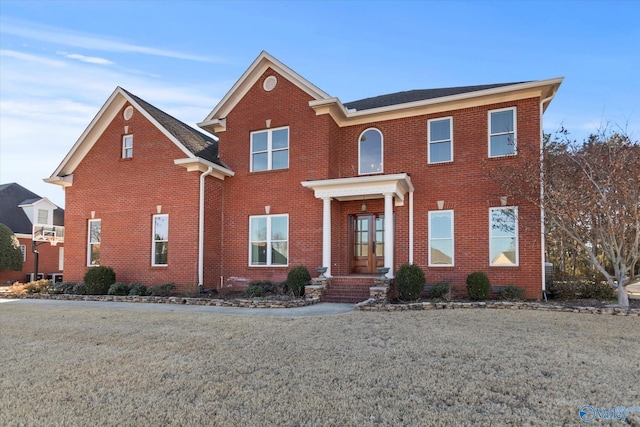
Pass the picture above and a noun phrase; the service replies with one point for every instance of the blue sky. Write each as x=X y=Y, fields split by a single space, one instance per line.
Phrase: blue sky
x=60 y=61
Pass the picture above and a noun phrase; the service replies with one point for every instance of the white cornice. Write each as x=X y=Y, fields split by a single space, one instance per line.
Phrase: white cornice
x=362 y=187
x=201 y=165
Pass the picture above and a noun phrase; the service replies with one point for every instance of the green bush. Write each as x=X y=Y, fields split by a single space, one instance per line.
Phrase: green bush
x=37 y=287
x=256 y=289
x=511 y=293
x=297 y=278
x=99 y=279
x=138 y=289
x=410 y=282
x=478 y=286
x=79 y=289
x=62 y=288
x=119 y=288
x=163 y=290
x=440 y=290
x=598 y=290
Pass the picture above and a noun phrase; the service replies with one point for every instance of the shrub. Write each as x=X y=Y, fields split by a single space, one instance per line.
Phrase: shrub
x=17 y=288
x=410 y=282
x=478 y=286
x=98 y=280
x=37 y=287
x=62 y=288
x=79 y=289
x=163 y=290
x=297 y=278
x=568 y=287
x=256 y=289
x=511 y=293
x=441 y=290
x=598 y=290
x=138 y=289
x=119 y=288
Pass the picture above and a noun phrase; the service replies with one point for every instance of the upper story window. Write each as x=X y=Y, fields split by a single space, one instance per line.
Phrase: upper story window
x=160 y=250
x=93 y=242
x=127 y=147
x=440 y=140
x=441 y=238
x=370 y=152
x=269 y=240
x=43 y=216
x=270 y=149
x=503 y=236
x=502 y=132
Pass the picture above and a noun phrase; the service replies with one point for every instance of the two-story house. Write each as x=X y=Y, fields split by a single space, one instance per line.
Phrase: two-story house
x=288 y=175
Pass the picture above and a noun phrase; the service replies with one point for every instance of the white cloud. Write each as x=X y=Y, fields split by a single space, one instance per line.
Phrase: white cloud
x=30 y=58
x=89 y=59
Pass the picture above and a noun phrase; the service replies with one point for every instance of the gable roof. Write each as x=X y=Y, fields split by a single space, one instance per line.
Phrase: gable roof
x=416 y=95
x=197 y=146
x=12 y=196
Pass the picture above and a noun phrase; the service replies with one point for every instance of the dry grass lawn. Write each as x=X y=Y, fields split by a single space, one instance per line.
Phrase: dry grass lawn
x=65 y=366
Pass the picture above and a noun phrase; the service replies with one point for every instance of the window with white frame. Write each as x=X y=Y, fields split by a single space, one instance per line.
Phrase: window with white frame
x=93 y=242
x=269 y=240
x=370 y=152
x=60 y=258
x=441 y=248
x=502 y=132
x=503 y=236
x=160 y=250
x=127 y=147
x=440 y=140
x=43 y=216
x=270 y=149
x=23 y=249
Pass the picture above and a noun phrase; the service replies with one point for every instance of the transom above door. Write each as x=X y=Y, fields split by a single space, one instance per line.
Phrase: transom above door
x=366 y=235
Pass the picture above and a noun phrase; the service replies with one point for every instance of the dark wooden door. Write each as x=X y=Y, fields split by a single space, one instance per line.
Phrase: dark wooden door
x=367 y=243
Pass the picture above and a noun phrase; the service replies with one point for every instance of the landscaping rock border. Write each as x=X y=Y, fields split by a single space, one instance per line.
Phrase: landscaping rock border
x=373 y=305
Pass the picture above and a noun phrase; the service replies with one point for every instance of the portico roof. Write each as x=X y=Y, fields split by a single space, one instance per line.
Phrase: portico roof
x=362 y=187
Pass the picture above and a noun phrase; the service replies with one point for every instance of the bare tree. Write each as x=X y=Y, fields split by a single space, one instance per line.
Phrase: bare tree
x=590 y=195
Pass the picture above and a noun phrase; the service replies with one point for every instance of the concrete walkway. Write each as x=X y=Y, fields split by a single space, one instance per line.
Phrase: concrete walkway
x=321 y=309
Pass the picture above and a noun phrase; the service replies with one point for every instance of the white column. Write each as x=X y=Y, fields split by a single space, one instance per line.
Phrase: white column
x=411 y=227
x=326 y=235
x=388 y=233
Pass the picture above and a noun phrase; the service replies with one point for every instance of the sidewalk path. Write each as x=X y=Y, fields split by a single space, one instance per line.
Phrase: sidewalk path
x=321 y=309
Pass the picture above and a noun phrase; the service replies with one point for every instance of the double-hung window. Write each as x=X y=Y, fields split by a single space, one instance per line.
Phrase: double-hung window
x=93 y=242
x=441 y=248
x=127 y=147
x=370 y=152
x=440 y=140
x=269 y=240
x=43 y=216
x=502 y=132
x=270 y=149
x=503 y=236
x=160 y=250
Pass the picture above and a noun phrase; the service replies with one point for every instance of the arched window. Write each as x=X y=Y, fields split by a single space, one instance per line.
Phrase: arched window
x=370 y=152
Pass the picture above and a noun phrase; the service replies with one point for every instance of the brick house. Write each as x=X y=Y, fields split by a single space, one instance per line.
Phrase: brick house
x=294 y=177
x=20 y=210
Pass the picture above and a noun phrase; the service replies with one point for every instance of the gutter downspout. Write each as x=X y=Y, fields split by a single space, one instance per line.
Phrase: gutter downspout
x=201 y=230
x=542 y=229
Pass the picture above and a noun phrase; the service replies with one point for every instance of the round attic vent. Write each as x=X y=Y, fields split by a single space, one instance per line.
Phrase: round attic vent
x=269 y=83
x=128 y=112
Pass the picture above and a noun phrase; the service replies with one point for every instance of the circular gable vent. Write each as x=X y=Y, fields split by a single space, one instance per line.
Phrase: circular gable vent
x=269 y=83
x=128 y=112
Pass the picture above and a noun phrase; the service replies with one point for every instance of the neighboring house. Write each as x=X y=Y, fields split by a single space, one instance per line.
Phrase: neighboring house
x=20 y=210
x=296 y=177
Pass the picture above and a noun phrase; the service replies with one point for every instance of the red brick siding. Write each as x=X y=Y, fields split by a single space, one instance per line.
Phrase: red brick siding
x=48 y=262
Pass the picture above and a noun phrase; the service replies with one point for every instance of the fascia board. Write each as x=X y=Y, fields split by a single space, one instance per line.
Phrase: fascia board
x=201 y=165
x=248 y=79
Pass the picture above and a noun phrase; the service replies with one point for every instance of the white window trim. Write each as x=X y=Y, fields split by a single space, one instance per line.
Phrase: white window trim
x=429 y=141
x=60 y=258
x=153 y=240
x=269 y=241
x=453 y=239
x=516 y=235
x=515 y=131
x=381 y=153
x=127 y=149
x=269 y=149
x=89 y=241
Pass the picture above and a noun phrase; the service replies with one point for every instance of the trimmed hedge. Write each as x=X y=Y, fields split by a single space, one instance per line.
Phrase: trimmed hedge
x=297 y=278
x=478 y=286
x=98 y=280
x=410 y=282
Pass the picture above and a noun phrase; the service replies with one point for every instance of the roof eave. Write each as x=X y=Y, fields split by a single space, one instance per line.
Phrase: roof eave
x=197 y=164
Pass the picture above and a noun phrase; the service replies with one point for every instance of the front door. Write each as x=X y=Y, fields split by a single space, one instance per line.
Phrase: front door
x=367 y=243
